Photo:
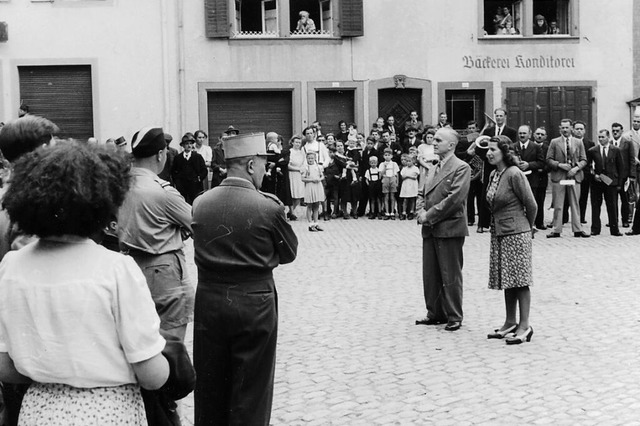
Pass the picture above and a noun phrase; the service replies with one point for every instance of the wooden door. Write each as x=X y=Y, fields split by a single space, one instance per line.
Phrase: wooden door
x=399 y=103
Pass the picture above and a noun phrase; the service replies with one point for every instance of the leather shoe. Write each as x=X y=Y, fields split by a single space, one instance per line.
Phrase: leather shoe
x=500 y=334
x=553 y=235
x=617 y=234
x=516 y=340
x=430 y=321
x=625 y=224
x=593 y=234
x=632 y=233
x=453 y=325
x=581 y=234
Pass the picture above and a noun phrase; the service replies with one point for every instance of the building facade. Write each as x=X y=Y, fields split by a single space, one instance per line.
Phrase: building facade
x=254 y=63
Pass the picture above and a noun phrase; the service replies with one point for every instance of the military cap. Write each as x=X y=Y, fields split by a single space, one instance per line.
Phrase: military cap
x=247 y=145
x=147 y=142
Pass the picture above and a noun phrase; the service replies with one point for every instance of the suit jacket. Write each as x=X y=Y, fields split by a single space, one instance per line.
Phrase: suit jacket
x=635 y=139
x=628 y=153
x=557 y=154
x=193 y=170
x=418 y=126
x=444 y=198
x=534 y=157
x=507 y=131
x=392 y=129
x=514 y=208
x=611 y=166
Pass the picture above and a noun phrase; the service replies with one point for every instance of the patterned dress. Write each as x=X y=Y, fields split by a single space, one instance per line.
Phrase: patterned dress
x=510 y=255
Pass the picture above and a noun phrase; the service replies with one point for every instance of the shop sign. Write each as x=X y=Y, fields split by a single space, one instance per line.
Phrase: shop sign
x=517 y=61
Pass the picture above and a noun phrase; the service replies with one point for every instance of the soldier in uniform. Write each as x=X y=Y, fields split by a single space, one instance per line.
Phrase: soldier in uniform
x=152 y=223
x=240 y=235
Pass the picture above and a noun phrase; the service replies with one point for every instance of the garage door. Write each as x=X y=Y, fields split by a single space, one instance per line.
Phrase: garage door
x=333 y=106
x=250 y=111
x=62 y=94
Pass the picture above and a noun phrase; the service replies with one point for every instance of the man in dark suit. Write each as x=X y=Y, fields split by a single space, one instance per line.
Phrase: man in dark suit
x=579 y=131
x=606 y=161
x=540 y=137
x=189 y=170
x=441 y=211
x=414 y=123
x=566 y=158
x=501 y=127
x=390 y=125
x=531 y=160
x=627 y=151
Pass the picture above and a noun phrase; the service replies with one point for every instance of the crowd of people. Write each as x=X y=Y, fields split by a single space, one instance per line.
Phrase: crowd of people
x=114 y=328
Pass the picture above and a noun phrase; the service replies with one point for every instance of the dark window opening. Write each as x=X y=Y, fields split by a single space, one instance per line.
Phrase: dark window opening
x=502 y=17
x=555 y=14
x=463 y=106
x=313 y=8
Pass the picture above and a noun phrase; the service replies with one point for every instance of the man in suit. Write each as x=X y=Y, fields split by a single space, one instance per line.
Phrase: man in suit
x=579 y=131
x=566 y=158
x=441 y=211
x=390 y=125
x=501 y=128
x=628 y=153
x=414 y=123
x=634 y=136
x=531 y=160
x=606 y=161
x=540 y=137
x=442 y=121
x=189 y=170
x=239 y=236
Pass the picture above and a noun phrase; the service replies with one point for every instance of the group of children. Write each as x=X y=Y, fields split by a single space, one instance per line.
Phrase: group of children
x=365 y=172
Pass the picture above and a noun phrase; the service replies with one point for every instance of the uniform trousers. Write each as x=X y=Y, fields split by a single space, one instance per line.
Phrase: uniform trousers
x=572 y=192
x=234 y=352
x=442 y=277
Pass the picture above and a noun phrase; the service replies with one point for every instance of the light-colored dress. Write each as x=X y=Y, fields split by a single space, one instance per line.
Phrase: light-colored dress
x=296 y=160
x=313 y=191
x=510 y=263
x=409 y=188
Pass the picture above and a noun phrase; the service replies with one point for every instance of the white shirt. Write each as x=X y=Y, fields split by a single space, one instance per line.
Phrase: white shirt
x=187 y=155
x=206 y=152
x=499 y=130
x=75 y=313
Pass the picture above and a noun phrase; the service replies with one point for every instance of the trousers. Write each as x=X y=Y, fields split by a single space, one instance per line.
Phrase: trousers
x=234 y=352
x=442 y=277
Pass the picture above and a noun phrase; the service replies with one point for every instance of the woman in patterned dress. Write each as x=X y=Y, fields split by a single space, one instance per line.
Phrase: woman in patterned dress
x=77 y=321
x=513 y=209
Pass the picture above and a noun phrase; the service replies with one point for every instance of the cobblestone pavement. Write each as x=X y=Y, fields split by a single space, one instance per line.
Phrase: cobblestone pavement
x=350 y=354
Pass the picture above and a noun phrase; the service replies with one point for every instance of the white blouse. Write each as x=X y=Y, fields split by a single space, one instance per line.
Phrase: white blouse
x=73 y=312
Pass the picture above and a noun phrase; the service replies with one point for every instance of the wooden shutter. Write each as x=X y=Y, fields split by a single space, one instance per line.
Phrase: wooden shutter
x=216 y=15
x=62 y=94
x=351 y=18
x=251 y=111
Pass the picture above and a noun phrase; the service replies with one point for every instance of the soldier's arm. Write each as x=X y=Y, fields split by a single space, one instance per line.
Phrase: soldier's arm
x=177 y=210
x=285 y=240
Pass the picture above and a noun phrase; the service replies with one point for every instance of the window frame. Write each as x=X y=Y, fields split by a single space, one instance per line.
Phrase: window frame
x=526 y=20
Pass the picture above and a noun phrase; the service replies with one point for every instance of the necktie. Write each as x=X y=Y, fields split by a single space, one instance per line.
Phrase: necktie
x=567 y=148
x=522 y=147
x=604 y=154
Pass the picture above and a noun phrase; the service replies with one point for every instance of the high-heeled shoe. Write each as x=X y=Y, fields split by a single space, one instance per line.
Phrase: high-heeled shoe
x=500 y=334
x=516 y=340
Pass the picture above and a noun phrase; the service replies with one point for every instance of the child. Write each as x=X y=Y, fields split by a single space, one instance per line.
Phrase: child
x=389 y=173
x=353 y=132
x=409 y=189
x=313 y=191
x=374 y=188
x=350 y=184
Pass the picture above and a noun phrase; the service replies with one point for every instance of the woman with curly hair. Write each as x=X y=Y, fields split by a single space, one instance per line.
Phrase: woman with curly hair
x=76 y=320
x=513 y=210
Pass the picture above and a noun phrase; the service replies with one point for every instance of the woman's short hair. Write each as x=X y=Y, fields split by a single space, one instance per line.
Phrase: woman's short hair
x=67 y=189
x=504 y=145
x=197 y=132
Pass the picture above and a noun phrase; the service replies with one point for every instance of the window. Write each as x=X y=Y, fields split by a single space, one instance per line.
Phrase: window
x=272 y=18
x=255 y=18
x=528 y=18
x=463 y=106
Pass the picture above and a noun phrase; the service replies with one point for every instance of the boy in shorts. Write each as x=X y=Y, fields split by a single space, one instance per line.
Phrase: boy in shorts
x=389 y=173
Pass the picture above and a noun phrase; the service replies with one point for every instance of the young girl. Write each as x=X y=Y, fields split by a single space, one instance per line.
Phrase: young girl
x=312 y=176
x=426 y=155
x=409 y=188
x=374 y=188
